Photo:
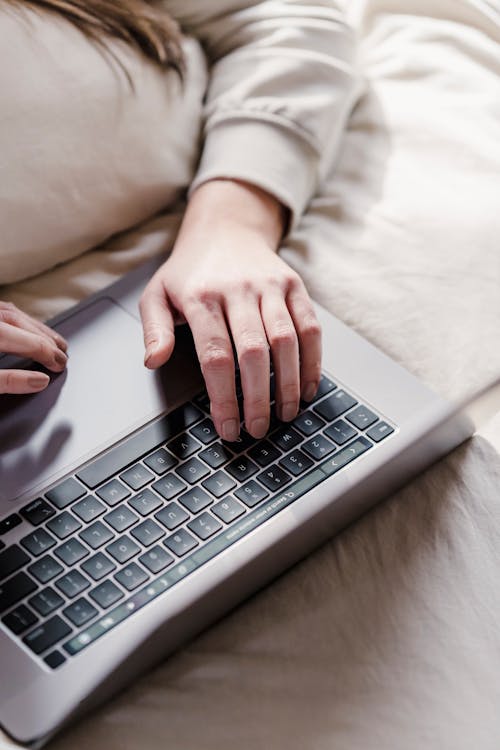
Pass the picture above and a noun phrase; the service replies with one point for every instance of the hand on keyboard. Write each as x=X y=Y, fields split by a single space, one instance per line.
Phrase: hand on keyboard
x=26 y=337
x=226 y=281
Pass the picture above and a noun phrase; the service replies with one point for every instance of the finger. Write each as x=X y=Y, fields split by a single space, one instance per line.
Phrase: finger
x=309 y=336
x=283 y=341
x=157 y=324
x=23 y=343
x=213 y=347
x=11 y=314
x=250 y=340
x=22 y=381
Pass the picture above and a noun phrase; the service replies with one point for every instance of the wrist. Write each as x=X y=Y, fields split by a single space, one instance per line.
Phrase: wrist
x=228 y=201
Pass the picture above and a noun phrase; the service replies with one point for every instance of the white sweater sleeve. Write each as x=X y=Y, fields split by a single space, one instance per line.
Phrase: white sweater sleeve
x=282 y=83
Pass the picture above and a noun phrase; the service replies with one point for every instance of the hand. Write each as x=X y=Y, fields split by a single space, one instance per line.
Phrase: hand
x=26 y=337
x=224 y=278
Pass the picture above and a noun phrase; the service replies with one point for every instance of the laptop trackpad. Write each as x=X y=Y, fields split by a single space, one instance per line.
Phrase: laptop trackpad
x=104 y=393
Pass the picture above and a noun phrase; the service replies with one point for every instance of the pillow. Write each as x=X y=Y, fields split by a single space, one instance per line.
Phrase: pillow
x=82 y=154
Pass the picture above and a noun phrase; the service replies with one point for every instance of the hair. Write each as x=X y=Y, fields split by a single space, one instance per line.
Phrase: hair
x=140 y=23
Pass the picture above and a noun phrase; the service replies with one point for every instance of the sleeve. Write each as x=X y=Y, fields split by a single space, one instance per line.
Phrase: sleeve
x=282 y=83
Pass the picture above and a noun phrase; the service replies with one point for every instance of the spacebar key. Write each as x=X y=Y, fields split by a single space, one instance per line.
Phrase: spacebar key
x=132 y=449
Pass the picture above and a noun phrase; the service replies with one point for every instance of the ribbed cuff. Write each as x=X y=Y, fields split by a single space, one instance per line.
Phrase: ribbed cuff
x=262 y=153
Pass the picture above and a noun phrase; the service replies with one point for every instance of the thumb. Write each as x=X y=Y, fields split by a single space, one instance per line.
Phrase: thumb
x=157 y=325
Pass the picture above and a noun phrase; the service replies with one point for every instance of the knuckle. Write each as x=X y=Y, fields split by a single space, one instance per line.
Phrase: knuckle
x=219 y=405
x=7 y=306
x=216 y=357
x=253 y=348
x=7 y=382
x=310 y=327
x=283 y=336
x=289 y=392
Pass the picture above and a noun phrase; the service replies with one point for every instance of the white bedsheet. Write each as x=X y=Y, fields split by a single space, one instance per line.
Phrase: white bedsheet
x=388 y=637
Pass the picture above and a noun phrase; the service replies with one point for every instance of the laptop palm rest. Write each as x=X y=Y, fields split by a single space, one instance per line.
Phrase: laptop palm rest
x=104 y=393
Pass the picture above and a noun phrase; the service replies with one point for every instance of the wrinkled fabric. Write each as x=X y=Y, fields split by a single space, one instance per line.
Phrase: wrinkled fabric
x=387 y=637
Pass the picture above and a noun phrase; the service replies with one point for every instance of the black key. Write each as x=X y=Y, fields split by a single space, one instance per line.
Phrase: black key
x=219 y=484
x=228 y=509
x=171 y=516
x=123 y=549
x=184 y=446
x=286 y=438
x=64 y=525
x=204 y=431
x=205 y=525
x=106 y=594
x=11 y=560
x=335 y=405
x=137 y=446
x=71 y=552
x=37 y=512
x=242 y=468
x=192 y=471
x=131 y=576
x=15 y=589
x=46 y=635
x=296 y=463
x=89 y=508
x=195 y=500
x=251 y=493
x=318 y=447
x=380 y=431
x=216 y=455
x=325 y=386
x=148 y=532
x=45 y=569
x=38 y=542
x=362 y=417
x=160 y=461
x=169 y=486
x=66 y=493
x=96 y=535
x=19 y=619
x=274 y=478
x=54 y=660
x=145 y=502
x=181 y=542
x=46 y=601
x=113 y=492
x=98 y=566
x=121 y=518
x=264 y=453
x=340 y=432
x=72 y=584
x=308 y=423
x=242 y=443
x=80 y=612
x=345 y=456
x=156 y=559
x=137 y=477
x=10 y=523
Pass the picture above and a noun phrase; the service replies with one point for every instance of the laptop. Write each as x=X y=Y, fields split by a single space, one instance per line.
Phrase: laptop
x=126 y=524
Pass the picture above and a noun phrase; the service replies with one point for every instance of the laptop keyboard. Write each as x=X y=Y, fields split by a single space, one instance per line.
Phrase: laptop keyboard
x=132 y=523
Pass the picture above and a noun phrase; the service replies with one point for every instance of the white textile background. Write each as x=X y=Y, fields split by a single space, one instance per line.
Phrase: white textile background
x=388 y=636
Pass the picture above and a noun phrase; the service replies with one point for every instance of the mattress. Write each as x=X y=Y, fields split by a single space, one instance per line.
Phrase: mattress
x=387 y=637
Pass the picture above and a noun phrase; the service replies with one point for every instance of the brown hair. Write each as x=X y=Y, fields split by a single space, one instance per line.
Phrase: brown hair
x=140 y=23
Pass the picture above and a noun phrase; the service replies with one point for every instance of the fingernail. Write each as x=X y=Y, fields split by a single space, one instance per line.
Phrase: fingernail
x=230 y=430
x=61 y=359
x=37 y=382
x=309 y=391
x=258 y=427
x=288 y=411
x=150 y=352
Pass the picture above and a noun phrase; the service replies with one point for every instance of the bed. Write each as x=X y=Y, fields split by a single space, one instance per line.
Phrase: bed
x=386 y=637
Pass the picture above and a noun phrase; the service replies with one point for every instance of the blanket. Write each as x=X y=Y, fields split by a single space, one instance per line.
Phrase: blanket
x=387 y=637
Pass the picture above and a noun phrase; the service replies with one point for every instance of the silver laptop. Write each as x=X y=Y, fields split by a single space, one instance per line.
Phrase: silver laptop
x=127 y=526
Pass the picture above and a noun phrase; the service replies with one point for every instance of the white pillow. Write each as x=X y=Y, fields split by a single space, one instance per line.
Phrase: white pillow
x=82 y=156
